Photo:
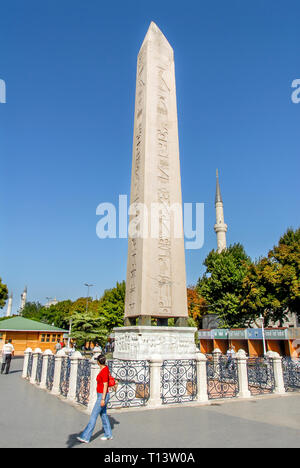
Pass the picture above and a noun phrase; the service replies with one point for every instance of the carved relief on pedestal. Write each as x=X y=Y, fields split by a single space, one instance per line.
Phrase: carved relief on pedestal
x=144 y=345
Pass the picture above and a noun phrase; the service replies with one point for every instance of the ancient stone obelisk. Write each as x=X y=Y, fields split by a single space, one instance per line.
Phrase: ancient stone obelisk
x=156 y=279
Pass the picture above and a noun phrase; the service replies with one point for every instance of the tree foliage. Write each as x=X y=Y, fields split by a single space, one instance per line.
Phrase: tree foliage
x=272 y=284
x=3 y=294
x=33 y=311
x=87 y=328
x=197 y=306
x=112 y=306
x=287 y=256
x=222 y=284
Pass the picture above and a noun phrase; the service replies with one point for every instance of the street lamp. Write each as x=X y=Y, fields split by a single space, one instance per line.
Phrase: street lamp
x=88 y=292
x=262 y=320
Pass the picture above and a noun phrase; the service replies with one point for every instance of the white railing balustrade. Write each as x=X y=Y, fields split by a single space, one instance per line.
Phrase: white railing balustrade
x=57 y=372
x=27 y=353
x=46 y=355
x=157 y=382
x=35 y=357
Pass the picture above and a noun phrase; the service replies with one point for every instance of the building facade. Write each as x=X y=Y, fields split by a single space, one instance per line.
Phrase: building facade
x=285 y=341
x=26 y=333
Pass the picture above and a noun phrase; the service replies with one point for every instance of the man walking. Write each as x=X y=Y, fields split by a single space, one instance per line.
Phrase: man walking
x=230 y=356
x=57 y=346
x=8 y=352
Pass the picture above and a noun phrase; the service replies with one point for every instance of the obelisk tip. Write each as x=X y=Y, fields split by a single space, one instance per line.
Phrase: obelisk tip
x=154 y=34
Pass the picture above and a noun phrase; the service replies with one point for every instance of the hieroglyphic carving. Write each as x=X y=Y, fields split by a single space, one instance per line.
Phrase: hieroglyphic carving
x=137 y=174
x=163 y=195
x=155 y=253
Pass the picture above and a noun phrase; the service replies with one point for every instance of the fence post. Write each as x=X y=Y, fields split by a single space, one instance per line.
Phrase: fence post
x=73 y=375
x=155 y=382
x=25 y=363
x=278 y=373
x=202 y=393
x=216 y=358
x=242 y=359
x=36 y=353
x=93 y=386
x=57 y=372
x=46 y=355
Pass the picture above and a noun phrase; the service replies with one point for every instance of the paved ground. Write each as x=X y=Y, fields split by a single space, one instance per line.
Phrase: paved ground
x=30 y=417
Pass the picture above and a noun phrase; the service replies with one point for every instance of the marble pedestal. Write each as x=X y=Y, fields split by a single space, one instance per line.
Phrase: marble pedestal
x=144 y=343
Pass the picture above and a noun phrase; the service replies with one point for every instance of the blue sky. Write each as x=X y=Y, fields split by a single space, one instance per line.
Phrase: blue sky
x=66 y=129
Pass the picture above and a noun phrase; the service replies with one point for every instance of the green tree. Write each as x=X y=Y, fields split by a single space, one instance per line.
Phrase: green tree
x=86 y=328
x=222 y=284
x=3 y=294
x=58 y=314
x=112 y=306
x=287 y=255
x=33 y=311
x=272 y=284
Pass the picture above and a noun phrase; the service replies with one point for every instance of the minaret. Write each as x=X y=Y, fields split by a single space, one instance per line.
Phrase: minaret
x=9 y=305
x=220 y=226
x=23 y=298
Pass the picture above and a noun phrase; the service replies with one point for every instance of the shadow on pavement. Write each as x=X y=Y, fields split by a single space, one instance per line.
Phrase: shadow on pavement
x=73 y=442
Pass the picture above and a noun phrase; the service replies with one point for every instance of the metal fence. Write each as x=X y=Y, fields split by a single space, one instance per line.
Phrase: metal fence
x=133 y=383
x=222 y=377
x=178 y=381
x=65 y=376
x=260 y=375
x=83 y=382
x=50 y=372
x=291 y=374
x=178 y=378
x=39 y=369
x=29 y=367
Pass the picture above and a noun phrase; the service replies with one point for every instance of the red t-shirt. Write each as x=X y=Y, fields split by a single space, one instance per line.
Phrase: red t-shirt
x=102 y=378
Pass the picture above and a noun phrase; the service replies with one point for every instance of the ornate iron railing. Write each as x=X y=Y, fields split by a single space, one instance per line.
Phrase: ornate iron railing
x=260 y=375
x=39 y=369
x=50 y=372
x=29 y=366
x=291 y=373
x=133 y=383
x=65 y=376
x=178 y=381
x=83 y=381
x=222 y=378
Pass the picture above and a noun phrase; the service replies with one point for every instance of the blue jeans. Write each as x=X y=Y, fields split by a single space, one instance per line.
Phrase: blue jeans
x=98 y=410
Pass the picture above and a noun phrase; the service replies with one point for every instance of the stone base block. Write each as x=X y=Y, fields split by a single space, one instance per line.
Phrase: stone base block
x=144 y=343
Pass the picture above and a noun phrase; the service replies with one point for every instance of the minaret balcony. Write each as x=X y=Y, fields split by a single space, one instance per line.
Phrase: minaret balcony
x=222 y=227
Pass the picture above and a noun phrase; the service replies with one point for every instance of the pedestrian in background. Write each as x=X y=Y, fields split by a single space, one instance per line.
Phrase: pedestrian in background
x=8 y=352
x=230 y=356
x=72 y=349
x=57 y=346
